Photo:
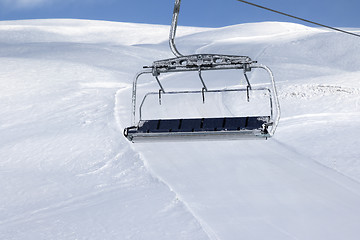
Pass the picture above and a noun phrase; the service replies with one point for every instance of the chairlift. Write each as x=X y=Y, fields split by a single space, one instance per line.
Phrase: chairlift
x=203 y=128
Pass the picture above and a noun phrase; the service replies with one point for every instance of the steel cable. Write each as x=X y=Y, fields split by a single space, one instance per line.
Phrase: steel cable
x=298 y=18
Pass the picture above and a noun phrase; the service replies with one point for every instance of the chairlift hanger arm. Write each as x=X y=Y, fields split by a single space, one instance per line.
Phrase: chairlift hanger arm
x=196 y=61
x=173 y=29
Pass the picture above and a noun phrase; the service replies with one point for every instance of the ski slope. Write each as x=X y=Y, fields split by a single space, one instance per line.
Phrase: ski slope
x=67 y=172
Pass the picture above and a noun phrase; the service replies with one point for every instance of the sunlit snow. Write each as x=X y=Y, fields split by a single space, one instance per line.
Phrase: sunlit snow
x=67 y=171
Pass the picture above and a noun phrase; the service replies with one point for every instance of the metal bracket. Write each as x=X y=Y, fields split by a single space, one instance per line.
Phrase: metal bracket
x=248 y=88
x=201 y=61
x=202 y=80
x=158 y=81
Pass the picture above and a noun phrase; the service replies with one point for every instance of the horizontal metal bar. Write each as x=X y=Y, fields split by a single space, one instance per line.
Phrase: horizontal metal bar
x=209 y=91
x=194 y=136
x=213 y=91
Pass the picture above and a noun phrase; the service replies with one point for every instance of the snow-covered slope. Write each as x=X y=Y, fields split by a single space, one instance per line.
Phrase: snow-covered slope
x=68 y=173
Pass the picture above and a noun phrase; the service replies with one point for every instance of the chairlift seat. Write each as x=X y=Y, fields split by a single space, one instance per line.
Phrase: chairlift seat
x=220 y=128
x=230 y=127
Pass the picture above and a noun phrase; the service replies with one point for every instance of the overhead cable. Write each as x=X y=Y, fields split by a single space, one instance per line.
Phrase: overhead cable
x=298 y=18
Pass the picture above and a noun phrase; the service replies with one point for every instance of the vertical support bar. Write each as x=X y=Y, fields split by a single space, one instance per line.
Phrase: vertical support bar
x=173 y=29
x=204 y=86
x=160 y=96
x=248 y=84
x=248 y=93
x=203 y=94
x=202 y=80
x=158 y=81
x=247 y=79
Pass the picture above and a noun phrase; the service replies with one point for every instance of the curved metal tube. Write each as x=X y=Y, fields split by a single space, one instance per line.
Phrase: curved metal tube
x=133 y=120
x=276 y=99
x=173 y=29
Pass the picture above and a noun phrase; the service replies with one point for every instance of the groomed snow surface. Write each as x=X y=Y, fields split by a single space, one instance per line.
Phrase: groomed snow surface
x=67 y=172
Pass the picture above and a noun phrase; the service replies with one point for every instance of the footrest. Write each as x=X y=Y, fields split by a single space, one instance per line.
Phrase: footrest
x=201 y=124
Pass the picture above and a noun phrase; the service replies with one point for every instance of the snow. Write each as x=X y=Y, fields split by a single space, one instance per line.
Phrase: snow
x=67 y=172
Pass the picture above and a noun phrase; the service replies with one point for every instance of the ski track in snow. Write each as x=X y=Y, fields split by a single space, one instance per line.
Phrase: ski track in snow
x=118 y=112
x=70 y=174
